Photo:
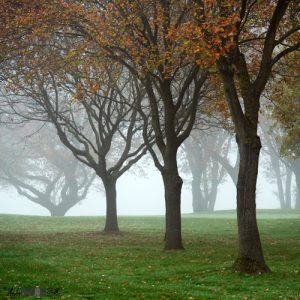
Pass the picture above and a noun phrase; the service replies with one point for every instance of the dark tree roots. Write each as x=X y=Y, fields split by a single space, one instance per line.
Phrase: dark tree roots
x=250 y=266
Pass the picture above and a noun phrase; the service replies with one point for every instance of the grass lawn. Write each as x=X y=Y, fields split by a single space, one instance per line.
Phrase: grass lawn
x=72 y=254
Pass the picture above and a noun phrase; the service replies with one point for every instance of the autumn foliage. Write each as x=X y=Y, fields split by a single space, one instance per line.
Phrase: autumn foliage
x=146 y=35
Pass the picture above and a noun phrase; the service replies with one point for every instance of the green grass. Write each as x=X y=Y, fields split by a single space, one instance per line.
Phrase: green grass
x=71 y=254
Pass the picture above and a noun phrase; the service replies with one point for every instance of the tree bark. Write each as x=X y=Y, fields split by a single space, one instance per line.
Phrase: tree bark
x=251 y=259
x=173 y=185
x=111 y=222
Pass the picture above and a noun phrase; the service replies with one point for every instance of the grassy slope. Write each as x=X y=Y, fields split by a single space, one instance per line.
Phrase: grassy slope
x=72 y=254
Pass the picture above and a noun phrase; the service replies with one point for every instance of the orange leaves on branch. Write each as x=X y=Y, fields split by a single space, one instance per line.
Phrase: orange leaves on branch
x=148 y=35
x=153 y=35
x=208 y=35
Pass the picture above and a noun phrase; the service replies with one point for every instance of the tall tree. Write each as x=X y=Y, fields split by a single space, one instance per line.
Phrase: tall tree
x=267 y=31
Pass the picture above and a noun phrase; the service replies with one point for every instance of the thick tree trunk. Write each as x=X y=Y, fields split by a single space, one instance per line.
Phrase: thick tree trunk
x=251 y=259
x=111 y=222
x=173 y=185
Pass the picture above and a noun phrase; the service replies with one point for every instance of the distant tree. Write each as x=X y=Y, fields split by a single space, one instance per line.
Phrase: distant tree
x=286 y=112
x=231 y=167
x=207 y=173
x=279 y=165
x=40 y=168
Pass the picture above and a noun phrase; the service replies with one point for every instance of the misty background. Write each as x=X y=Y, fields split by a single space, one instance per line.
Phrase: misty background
x=142 y=195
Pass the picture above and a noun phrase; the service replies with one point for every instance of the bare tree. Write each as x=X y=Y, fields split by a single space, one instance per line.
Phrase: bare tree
x=207 y=172
x=279 y=165
x=40 y=168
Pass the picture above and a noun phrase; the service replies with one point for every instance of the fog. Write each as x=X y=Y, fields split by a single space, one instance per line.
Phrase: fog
x=139 y=195
x=40 y=163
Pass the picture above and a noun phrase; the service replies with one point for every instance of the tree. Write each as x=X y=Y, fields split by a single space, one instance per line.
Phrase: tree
x=267 y=32
x=91 y=107
x=207 y=172
x=279 y=165
x=41 y=169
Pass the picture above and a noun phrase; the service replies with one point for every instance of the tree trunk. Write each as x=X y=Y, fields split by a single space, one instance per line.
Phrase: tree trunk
x=57 y=211
x=111 y=222
x=276 y=167
x=297 y=177
x=194 y=155
x=288 y=182
x=251 y=259
x=214 y=187
x=198 y=200
x=212 y=197
x=173 y=185
x=196 y=194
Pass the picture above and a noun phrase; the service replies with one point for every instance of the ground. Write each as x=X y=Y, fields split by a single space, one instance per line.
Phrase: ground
x=71 y=258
